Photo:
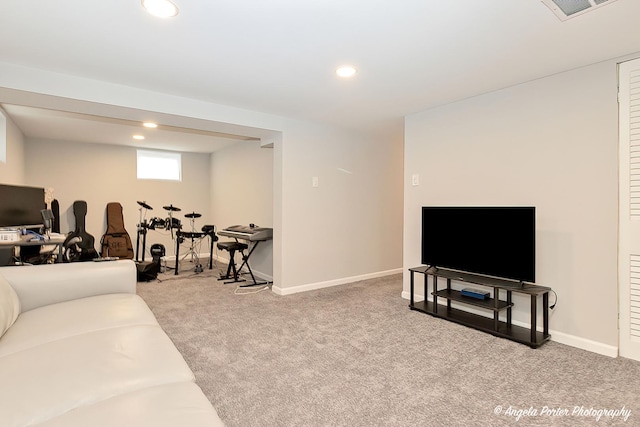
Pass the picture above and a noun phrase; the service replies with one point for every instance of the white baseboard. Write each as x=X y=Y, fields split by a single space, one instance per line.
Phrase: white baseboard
x=584 y=344
x=407 y=295
x=557 y=336
x=320 y=285
x=203 y=257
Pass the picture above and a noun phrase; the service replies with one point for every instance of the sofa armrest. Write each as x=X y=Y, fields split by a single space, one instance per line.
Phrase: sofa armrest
x=41 y=285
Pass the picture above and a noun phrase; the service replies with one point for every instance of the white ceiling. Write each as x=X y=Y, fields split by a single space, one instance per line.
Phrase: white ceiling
x=279 y=56
x=66 y=126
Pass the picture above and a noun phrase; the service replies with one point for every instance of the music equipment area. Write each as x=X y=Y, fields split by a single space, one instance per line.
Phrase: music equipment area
x=253 y=235
x=174 y=225
x=25 y=208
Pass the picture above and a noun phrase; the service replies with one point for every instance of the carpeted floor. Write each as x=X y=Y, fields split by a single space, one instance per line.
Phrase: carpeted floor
x=355 y=355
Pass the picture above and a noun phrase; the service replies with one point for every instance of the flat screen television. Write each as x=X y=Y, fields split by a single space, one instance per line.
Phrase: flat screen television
x=21 y=206
x=492 y=241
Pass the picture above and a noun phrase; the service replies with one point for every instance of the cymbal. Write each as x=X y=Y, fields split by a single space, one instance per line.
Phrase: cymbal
x=144 y=205
x=193 y=215
x=171 y=208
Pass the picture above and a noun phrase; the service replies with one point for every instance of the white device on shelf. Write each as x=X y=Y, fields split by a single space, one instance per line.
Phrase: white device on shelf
x=9 y=235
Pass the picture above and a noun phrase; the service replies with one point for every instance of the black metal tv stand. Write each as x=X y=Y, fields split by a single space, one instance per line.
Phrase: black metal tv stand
x=494 y=325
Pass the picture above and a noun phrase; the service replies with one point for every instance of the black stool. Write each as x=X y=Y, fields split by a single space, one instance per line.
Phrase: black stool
x=232 y=247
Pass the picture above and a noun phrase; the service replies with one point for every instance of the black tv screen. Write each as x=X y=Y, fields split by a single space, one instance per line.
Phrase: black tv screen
x=21 y=206
x=492 y=241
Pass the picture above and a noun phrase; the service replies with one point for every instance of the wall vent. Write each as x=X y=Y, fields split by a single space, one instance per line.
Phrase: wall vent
x=565 y=9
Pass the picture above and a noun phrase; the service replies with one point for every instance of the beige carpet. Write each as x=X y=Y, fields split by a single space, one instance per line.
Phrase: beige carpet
x=355 y=355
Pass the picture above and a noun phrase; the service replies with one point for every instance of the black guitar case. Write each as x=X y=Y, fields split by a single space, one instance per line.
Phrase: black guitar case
x=55 y=208
x=79 y=245
x=116 y=241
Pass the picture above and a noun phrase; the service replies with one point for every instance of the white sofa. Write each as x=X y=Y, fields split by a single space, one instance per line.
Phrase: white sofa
x=78 y=347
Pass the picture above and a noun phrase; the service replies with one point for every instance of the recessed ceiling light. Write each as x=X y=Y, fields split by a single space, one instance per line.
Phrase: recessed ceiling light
x=138 y=137
x=160 y=8
x=150 y=125
x=346 y=71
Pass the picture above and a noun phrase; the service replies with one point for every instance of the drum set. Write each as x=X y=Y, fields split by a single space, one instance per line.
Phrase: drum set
x=170 y=223
x=155 y=223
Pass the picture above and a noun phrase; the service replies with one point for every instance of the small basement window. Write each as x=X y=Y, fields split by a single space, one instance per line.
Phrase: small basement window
x=159 y=165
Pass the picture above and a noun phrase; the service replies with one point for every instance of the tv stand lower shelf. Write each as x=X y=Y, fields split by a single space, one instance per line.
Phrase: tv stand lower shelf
x=496 y=326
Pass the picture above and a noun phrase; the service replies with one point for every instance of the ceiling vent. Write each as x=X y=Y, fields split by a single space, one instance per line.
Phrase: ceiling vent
x=565 y=9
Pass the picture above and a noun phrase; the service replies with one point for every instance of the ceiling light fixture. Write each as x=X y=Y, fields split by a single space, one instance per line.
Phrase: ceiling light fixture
x=346 y=71
x=160 y=8
x=138 y=137
x=150 y=125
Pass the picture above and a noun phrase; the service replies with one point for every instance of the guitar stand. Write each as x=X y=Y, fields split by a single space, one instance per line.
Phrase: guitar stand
x=232 y=247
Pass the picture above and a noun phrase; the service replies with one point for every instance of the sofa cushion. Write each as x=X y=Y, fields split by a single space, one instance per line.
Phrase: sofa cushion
x=9 y=305
x=45 y=284
x=168 y=405
x=66 y=319
x=48 y=380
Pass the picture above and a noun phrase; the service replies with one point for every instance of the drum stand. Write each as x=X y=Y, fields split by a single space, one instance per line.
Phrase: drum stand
x=169 y=225
x=195 y=259
x=142 y=229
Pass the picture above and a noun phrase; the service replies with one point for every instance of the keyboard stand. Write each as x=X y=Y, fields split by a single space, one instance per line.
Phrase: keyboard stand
x=245 y=261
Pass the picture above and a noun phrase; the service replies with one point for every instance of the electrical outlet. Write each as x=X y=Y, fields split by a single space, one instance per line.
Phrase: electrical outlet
x=415 y=179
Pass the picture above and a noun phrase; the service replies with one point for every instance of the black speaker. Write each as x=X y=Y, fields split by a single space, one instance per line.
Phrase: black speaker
x=147 y=271
x=6 y=255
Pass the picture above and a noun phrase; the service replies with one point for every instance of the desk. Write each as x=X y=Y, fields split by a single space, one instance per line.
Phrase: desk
x=55 y=240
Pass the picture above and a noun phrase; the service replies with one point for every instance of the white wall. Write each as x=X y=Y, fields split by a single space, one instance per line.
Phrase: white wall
x=100 y=174
x=242 y=193
x=350 y=225
x=12 y=171
x=551 y=143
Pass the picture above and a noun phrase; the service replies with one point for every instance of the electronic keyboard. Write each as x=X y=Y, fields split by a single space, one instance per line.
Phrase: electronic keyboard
x=244 y=232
